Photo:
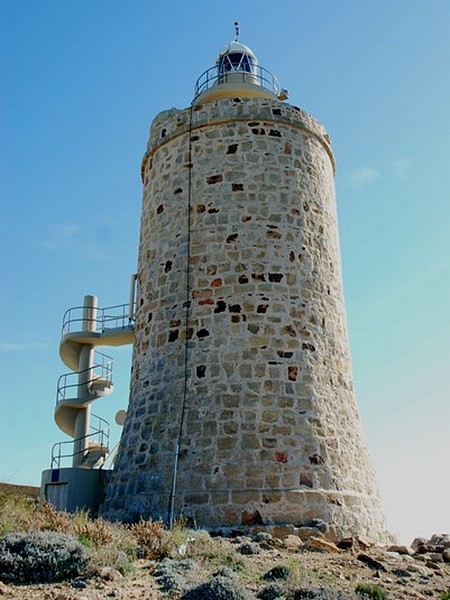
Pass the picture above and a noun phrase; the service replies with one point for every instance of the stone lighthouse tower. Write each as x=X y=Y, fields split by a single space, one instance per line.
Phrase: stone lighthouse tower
x=242 y=409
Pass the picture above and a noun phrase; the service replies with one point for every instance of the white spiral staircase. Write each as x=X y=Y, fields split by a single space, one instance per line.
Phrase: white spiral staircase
x=84 y=328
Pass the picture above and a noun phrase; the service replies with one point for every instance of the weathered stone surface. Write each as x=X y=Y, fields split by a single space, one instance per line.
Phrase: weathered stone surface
x=241 y=355
x=353 y=543
x=400 y=549
x=321 y=545
x=371 y=562
x=293 y=542
x=417 y=542
x=110 y=574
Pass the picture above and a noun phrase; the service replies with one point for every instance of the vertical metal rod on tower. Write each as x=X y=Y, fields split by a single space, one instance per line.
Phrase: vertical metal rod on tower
x=131 y=310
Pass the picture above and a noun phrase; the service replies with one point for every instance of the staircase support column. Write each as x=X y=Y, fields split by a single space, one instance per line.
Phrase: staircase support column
x=86 y=361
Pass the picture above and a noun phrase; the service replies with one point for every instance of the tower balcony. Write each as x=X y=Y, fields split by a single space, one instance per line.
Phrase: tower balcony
x=259 y=80
x=237 y=73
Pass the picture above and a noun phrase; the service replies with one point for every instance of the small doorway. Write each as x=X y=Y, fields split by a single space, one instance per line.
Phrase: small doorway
x=57 y=494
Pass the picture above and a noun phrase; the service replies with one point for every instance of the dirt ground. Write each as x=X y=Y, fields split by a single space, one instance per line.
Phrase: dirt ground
x=401 y=575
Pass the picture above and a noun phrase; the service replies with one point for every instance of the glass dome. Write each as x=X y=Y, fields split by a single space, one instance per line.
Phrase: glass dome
x=236 y=57
x=236 y=73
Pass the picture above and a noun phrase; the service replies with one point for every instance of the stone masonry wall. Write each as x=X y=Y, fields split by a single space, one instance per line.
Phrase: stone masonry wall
x=241 y=334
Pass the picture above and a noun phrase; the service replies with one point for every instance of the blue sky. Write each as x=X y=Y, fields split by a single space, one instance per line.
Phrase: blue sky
x=82 y=80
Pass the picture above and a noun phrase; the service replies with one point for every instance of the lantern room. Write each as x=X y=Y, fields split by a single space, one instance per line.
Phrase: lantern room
x=237 y=73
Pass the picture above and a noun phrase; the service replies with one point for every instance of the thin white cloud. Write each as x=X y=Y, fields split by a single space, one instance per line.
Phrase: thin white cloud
x=75 y=238
x=363 y=177
x=63 y=236
x=402 y=168
x=8 y=347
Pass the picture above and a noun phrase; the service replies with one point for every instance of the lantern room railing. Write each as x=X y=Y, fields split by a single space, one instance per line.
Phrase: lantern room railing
x=258 y=76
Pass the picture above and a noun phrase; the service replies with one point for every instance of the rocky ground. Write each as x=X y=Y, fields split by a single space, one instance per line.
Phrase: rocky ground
x=245 y=567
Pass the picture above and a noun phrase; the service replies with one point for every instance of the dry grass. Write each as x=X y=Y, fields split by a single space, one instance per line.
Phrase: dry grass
x=153 y=540
x=114 y=544
x=16 y=513
x=111 y=544
x=193 y=556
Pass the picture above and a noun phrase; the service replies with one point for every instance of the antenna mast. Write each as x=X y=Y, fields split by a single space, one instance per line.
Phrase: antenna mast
x=236 y=31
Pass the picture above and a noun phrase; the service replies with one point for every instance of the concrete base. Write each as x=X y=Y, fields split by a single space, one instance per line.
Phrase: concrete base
x=74 y=489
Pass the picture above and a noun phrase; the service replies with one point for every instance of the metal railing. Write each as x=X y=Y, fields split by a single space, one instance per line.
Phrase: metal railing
x=120 y=316
x=99 y=437
x=101 y=371
x=258 y=76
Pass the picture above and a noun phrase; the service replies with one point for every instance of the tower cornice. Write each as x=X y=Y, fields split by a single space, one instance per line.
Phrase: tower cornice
x=289 y=115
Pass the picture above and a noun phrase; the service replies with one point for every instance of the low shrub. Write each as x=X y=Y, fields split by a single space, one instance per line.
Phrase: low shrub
x=249 y=548
x=272 y=591
x=40 y=557
x=228 y=559
x=225 y=571
x=47 y=518
x=153 y=540
x=278 y=572
x=373 y=592
x=94 y=532
x=319 y=593
x=119 y=553
x=169 y=574
x=218 y=588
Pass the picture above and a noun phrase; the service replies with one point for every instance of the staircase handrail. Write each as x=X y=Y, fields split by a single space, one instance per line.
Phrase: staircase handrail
x=99 y=435
x=101 y=369
x=119 y=316
x=100 y=426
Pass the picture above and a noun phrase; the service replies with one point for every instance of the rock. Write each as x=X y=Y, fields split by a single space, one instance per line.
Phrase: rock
x=422 y=570
x=436 y=544
x=353 y=543
x=110 y=574
x=424 y=549
x=442 y=539
x=435 y=557
x=306 y=532
x=348 y=543
x=319 y=544
x=266 y=540
x=432 y=565
x=262 y=536
x=281 y=531
x=292 y=542
x=417 y=542
x=317 y=524
x=446 y=555
x=401 y=573
x=364 y=542
x=400 y=549
x=79 y=584
x=376 y=565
